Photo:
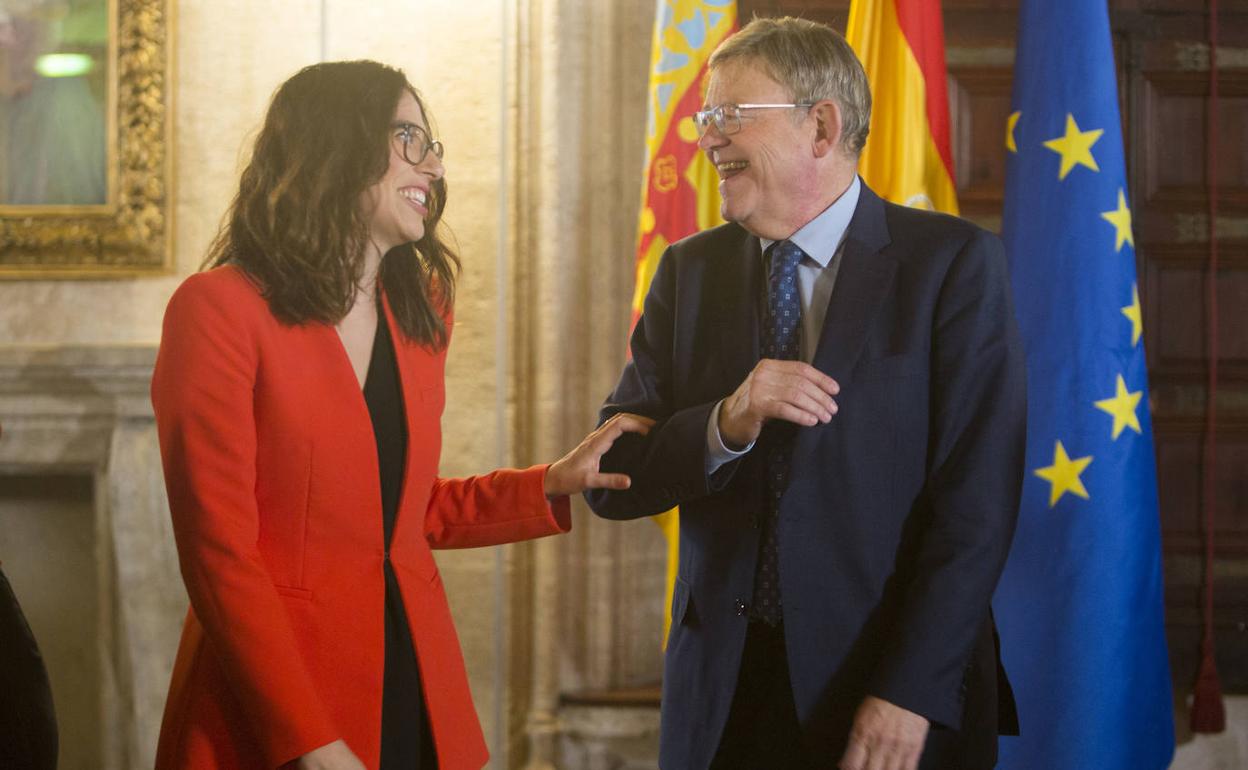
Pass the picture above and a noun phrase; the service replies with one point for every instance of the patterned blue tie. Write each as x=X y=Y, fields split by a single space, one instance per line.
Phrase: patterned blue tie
x=781 y=340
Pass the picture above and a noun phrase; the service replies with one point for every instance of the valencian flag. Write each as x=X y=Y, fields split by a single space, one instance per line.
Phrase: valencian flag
x=1079 y=606
x=680 y=195
x=901 y=44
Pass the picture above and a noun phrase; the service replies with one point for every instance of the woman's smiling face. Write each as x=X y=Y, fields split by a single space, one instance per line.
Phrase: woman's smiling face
x=398 y=202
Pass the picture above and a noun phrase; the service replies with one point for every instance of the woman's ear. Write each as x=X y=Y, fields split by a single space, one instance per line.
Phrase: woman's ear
x=827 y=115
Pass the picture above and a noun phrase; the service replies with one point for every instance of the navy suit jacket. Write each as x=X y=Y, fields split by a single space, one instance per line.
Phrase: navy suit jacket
x=899 y=512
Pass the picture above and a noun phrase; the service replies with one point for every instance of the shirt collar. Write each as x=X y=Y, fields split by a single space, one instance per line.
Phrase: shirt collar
x=822 y=236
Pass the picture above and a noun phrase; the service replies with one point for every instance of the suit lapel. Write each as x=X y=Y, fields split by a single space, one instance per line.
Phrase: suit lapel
x=736 y=292
x=864 y=279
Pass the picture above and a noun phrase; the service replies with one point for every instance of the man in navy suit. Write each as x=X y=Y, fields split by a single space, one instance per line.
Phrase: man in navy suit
x=839 y=389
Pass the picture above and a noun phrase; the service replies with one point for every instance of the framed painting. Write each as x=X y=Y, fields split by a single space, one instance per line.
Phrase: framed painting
x=86 y=173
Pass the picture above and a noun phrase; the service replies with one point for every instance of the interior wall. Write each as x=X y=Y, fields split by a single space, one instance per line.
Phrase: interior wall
x=541 y=106
x=229 y=57
x=49 y=520
x=583 y=618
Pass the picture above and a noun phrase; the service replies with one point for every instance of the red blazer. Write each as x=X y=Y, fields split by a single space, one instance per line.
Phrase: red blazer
x=271 y=467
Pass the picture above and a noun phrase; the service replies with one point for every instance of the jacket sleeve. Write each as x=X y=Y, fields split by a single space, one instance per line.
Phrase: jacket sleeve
x=668 y=465
x=500 y=507
x=505 y=506
x=202 y=393
x=978 y=424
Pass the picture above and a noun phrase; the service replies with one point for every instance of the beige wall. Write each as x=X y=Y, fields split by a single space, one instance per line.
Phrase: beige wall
x=540 y=104
x=230 y=56
x=39 y=516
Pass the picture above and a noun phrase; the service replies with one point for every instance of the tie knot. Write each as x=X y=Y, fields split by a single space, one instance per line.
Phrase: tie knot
x=784 y=256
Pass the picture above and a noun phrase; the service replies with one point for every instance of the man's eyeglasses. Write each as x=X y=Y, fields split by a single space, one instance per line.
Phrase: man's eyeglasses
x=727 y=117
x=414 y=143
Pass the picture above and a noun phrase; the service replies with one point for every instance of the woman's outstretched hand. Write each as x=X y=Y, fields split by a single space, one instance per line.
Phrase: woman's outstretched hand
x=577 y=471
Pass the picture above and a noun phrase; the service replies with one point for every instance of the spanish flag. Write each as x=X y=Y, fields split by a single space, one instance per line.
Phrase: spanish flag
x=680 y=195
x=902 y=47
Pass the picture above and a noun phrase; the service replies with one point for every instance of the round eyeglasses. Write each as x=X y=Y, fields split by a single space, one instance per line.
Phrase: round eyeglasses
x=414 y=143
x=727 y=117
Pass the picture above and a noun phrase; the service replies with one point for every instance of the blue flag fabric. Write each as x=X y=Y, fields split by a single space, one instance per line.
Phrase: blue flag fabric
x=1079 y=606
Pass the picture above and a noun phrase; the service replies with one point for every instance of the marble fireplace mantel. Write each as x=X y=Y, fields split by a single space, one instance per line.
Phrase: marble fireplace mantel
x=86 y=410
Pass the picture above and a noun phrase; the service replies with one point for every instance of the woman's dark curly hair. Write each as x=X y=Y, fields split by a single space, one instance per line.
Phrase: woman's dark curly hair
x=296 y=226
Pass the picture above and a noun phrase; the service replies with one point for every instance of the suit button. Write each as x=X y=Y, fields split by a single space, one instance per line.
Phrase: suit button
x=741 y=607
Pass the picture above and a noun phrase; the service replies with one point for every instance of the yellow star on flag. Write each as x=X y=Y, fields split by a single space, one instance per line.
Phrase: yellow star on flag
x=1010 y=123
x=1063 y=475
x=1075 y=147
x=1122 y=408
x=1132 y=312
x=1120 y=218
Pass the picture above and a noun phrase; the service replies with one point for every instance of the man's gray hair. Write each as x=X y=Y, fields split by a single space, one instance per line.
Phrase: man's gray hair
x=813 y=61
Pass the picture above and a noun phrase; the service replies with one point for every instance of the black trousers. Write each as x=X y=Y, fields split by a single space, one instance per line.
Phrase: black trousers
x=406 y=736
x=28 y=738
x=762 y=729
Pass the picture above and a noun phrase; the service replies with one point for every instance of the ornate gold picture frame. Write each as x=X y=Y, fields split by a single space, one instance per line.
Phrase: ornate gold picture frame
x=130 y=231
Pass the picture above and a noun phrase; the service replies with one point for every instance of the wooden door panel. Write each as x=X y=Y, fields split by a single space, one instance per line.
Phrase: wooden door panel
x=1174 y=129
x=979 y=103
x=1179 y=449
x=1175 y=315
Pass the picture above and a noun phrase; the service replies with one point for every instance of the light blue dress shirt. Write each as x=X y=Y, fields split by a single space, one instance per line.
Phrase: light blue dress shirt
x=823 y=240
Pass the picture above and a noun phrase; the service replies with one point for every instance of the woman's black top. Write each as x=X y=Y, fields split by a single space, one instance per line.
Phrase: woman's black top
x=406 y=741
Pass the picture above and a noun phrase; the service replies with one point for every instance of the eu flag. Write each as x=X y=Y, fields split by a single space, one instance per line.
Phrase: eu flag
x=1079 y=606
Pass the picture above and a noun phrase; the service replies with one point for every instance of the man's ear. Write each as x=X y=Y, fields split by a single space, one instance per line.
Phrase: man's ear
x=827 y=115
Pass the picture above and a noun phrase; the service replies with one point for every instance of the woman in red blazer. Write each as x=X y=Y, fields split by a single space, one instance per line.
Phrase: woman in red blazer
x=298 y=394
